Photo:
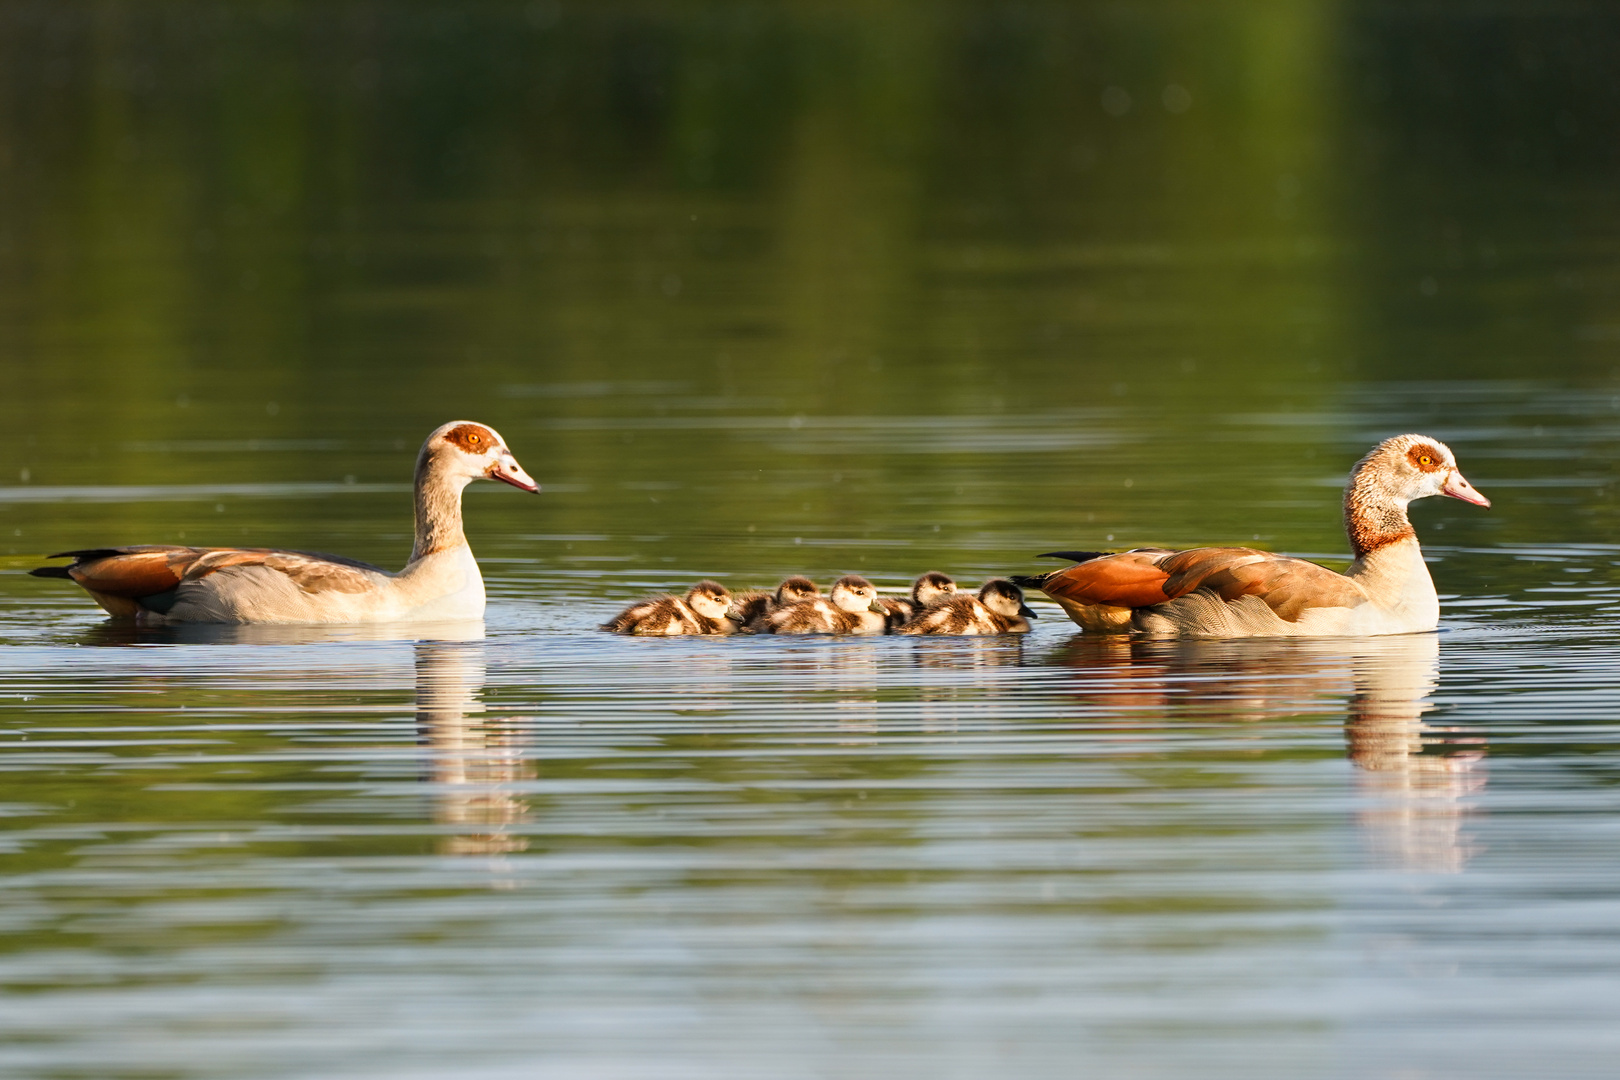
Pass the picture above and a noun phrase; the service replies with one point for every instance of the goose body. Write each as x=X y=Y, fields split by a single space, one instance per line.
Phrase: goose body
x=160 y=584
x=1242 y=592
x=851 y=608
x=705 y=609
x=998 y=609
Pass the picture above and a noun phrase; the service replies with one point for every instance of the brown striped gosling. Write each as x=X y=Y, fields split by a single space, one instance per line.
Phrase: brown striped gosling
x=925 y=591
x=998 y=609
x=852 y=608
x=751 y=608
x=703 y=610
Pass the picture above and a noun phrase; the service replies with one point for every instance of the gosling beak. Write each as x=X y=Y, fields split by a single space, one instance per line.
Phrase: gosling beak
x=877 y=606
x=1024 y=610
x=1459 y=488
x=508 y=471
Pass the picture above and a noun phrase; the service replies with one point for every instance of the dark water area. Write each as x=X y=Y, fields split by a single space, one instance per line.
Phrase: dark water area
x=756 y=289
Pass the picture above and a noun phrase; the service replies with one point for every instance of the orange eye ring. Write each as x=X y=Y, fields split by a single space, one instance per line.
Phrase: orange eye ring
x=1424 y=460
x=480 y=438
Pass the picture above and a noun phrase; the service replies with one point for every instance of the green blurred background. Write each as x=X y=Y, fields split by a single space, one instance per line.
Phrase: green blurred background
x=906 y=283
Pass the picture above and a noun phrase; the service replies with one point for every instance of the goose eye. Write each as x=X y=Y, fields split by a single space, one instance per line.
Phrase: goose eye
x=1424 y=460
x=476 y=439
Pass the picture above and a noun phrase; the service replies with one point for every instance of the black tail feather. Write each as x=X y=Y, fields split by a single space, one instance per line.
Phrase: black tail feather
x=1073 y=556
x=77 y=556
x=1032 y=581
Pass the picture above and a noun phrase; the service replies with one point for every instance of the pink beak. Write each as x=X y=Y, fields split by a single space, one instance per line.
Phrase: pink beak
x=1459 y=488
x=508 y=471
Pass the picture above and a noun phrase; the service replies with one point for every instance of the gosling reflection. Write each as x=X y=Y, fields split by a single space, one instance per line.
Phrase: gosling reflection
x=1412 y=777
x=966 y=679
x=472 y=759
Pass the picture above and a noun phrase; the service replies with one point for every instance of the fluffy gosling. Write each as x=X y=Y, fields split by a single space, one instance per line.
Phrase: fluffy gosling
x=852 y=608
x=998 y=609
x=926 y=590
x=751 y=608
x=703 y=610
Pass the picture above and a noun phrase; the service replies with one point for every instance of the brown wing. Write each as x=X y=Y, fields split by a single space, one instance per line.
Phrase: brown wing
x=311 y=573
x=1136 y=579
x=1191 y=569
x=1130 y=579
x=131 y=572
x=1289 y=587
x=137 y=572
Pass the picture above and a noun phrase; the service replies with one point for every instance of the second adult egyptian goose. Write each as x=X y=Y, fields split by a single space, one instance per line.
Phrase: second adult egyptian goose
x=1241 y=592
x=160 y=583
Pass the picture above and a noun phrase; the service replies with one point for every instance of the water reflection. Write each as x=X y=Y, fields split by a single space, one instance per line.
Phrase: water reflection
x=974 y=664
x=1411 y=778
x=1412 y=775
x=473 y=760
x=114 y=632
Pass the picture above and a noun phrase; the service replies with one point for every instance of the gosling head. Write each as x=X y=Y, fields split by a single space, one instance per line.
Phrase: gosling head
x=930 y=587
x=854 y=594
x=1004 y=598
x=710 y=599
x=794 y=589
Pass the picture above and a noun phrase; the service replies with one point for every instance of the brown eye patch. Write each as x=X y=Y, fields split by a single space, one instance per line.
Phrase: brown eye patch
x=473 y=438
x=1425 y=457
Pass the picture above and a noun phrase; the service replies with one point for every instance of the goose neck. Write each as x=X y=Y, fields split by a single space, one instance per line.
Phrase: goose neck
x=438 y=509
x=1374 y=516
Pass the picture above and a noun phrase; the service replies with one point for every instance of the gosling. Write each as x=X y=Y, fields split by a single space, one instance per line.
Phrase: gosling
x=998 y=609
x=852 y=608
x=703 y=610
x=925 y=591
x=751 y=608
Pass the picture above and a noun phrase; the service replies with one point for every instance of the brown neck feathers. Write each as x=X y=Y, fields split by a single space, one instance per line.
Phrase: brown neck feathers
x=1372 y=516
x=438 y=509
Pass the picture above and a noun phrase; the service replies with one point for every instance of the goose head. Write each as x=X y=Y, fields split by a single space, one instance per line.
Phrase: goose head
x=463 y=451
x=1004 y=598
x=794 y=589
x=710 y=599
x=930 y=587
x=854 y=594
x=1410 y=467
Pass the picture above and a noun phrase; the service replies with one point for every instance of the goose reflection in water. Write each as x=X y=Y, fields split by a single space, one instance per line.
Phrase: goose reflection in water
x=473 y=760
x=1412 y=777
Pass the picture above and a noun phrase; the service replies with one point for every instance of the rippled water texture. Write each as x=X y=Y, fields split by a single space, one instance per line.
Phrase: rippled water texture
x=760 y=289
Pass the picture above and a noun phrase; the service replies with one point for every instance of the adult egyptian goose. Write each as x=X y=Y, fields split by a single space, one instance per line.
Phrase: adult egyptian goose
x=851 y=608
x=998 y=609
x=705 y=609
x=161 y=583
x=752 y=607
x=1241 y=592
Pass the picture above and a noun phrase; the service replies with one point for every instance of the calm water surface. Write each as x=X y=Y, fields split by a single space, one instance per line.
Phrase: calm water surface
x=760 y=290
